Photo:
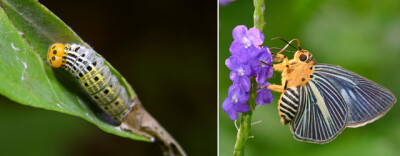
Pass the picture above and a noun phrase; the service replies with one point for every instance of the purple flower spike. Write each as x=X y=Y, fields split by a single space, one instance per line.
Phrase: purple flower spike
x=264 y=95
x=264 y=71
x=240 y=73
x=236 y=102
x=245 y=63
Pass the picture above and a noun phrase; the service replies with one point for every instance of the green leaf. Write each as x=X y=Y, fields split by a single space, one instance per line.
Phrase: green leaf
x=27 y=29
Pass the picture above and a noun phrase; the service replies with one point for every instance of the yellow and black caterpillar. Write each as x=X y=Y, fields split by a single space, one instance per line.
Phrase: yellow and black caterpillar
x=94 y=77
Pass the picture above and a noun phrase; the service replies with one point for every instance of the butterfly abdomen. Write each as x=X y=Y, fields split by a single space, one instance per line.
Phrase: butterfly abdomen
x=288 y=105
x=94 y=77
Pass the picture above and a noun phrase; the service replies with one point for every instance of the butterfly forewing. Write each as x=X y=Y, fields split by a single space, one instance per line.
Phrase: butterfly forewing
x=366 y=100
x=322 y=111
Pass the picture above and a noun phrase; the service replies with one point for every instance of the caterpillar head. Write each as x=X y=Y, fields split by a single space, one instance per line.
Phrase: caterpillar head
x=56 y=55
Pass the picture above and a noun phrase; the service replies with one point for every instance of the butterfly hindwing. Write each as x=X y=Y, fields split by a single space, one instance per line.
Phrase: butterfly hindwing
x=322 y=112
x=366 y=100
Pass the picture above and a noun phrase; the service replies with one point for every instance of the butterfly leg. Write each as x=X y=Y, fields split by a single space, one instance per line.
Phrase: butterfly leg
x=279 y=58
x=280 y=67
x=275 y=88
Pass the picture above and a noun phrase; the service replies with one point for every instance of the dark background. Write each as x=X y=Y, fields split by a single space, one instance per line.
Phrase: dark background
x=362 y=36
x=165 y=49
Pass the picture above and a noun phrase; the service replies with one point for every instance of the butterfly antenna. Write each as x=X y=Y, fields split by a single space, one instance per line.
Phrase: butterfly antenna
x=288 y=43
x=276 y=48
x=278 y=38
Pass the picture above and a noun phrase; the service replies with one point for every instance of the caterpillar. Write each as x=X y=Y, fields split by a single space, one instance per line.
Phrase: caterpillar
x=94 y=77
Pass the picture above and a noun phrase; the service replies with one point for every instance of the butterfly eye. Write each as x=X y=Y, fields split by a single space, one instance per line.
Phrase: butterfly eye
x=303 y=57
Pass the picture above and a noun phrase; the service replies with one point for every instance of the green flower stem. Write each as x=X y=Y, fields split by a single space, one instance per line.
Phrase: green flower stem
x=243 y=133
x=245 y=123
x=259 y=11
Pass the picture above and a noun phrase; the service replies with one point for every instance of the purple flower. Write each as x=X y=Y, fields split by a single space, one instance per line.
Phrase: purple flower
x=264 y=95
x=240 y=73
x=225 y=2
x=264 y=71
x=246 y=44
x=245 y=63
x=236 y=102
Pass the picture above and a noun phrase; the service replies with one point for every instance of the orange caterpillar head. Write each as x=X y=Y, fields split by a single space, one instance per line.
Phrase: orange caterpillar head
x=56 y=55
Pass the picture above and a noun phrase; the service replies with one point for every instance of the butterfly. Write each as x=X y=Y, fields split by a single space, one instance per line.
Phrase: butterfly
x=320 y=100
x=94 y=77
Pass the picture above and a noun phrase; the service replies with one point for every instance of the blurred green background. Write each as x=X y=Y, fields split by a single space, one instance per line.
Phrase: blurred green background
x=362 y=36
x=165 y=49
